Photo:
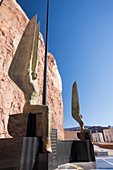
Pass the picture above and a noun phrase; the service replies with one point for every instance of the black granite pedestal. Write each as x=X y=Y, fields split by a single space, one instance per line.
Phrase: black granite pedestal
x=75 y=151
x=82 y=151
x=22 y=153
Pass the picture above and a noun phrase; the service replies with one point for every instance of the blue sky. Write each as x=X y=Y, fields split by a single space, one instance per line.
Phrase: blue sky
x=81 y=40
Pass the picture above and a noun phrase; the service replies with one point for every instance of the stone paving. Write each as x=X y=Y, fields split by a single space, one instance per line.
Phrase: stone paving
x=102 y=163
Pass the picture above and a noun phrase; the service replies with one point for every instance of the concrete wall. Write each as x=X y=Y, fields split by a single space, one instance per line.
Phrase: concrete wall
x=70 y=135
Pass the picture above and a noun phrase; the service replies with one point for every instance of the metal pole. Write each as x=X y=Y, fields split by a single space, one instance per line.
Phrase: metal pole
x=46 y=59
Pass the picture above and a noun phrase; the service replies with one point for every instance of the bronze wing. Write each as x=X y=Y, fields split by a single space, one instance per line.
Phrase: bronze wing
x=75 y=105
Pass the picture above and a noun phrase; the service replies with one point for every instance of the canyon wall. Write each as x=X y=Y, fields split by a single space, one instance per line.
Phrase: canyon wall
x=13 y=21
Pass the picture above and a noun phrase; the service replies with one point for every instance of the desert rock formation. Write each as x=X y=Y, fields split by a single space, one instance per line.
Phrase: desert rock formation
x=13 y=21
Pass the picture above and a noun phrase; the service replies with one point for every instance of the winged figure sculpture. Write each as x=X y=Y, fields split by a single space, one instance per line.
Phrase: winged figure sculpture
x=75 y=106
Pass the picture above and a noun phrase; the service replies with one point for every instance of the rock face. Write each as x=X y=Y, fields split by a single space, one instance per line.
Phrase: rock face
x=12 y=24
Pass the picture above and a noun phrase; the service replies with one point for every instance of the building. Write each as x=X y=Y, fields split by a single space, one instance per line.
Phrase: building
x=108 y=135
x=97 y=137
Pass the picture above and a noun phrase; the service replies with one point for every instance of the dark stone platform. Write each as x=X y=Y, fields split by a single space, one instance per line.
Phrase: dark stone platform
x=22 y=153
x=75 y=151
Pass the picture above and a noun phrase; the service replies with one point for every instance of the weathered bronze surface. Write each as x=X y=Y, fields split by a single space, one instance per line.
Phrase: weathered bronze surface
x=23 y=69
x=75 y=107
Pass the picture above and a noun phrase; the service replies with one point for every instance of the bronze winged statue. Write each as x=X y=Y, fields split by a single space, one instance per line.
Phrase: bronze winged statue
x=23 y=71
x=75 y=106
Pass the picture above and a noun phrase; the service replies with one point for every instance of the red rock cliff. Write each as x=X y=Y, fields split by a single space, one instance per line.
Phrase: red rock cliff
x=12 y=24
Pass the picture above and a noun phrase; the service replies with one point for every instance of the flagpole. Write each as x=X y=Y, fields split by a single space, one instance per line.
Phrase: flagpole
x=46 y=58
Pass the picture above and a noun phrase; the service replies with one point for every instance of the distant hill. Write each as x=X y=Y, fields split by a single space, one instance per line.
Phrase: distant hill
x=92 y=128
